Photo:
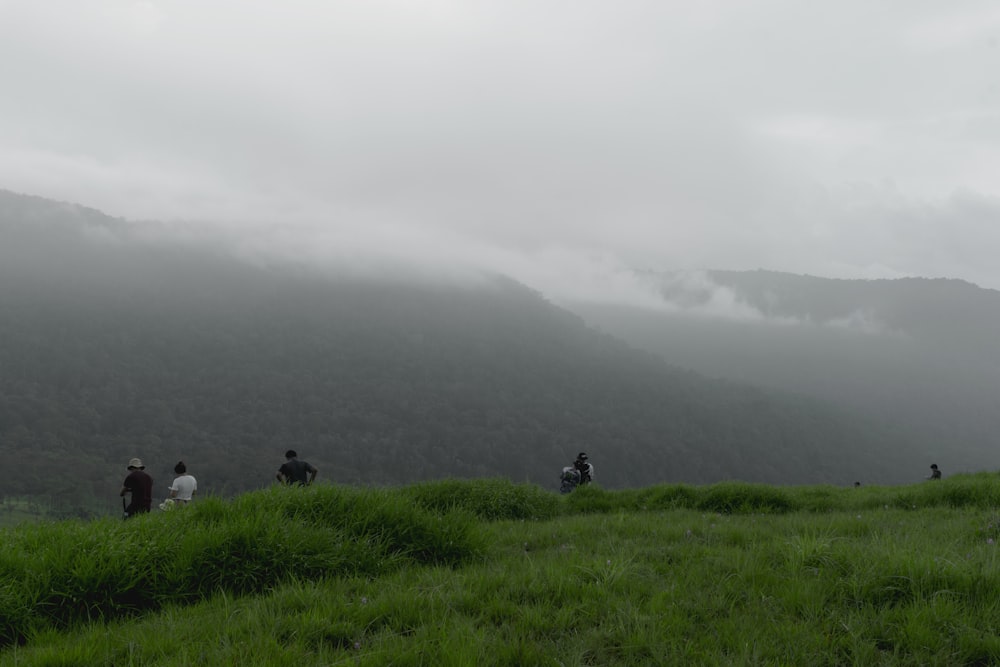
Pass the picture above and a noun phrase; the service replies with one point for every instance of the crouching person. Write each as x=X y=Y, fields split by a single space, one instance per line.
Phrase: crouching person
x=183 y=489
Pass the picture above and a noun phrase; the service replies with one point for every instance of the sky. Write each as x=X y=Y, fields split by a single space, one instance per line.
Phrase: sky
x=562 y=142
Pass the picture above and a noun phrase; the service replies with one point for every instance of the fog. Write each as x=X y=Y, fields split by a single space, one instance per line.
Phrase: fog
x=564 y=144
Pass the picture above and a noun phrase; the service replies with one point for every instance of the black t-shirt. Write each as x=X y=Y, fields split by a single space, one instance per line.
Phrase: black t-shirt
x=140 y=484
x=296 y=471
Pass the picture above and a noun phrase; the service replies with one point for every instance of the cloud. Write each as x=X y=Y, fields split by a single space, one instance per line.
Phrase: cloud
x=877 y=232
x=565 y=142
x=695 y=293
x=955 y=28
x=861 y=321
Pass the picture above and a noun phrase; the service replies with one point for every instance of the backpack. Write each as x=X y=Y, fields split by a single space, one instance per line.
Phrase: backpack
x=570 y=479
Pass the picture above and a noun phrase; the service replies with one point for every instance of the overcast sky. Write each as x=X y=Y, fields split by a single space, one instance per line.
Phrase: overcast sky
x=559 y=141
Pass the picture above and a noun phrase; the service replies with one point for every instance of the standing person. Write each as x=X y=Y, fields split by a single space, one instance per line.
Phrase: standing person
x=293 y=471
x=184 y=487
x=585 y=467
x=935 y=473
x=139 y=485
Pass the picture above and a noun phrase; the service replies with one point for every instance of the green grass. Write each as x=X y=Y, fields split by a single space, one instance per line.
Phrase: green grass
x=492 y=573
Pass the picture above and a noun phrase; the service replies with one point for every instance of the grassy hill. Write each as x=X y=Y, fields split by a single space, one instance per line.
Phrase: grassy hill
x=488 y=572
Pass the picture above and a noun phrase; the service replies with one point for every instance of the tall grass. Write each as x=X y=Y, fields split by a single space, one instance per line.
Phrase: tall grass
x=71 y=571
x=493 y=573
x=490 y=499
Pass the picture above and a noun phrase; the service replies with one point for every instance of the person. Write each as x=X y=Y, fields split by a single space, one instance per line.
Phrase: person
x=139 y=485
x=569 y=479
x=293 y=471
x=184 y=487
x=935 y=473
x=585 y=467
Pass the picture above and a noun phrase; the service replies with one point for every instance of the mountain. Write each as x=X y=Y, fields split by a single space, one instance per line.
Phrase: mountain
x=922 y=354
x=120 y=339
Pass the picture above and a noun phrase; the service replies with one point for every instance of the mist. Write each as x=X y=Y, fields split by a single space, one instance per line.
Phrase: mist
x=564 y=145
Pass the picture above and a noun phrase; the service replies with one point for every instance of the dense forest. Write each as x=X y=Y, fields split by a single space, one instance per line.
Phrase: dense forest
x=117 y=342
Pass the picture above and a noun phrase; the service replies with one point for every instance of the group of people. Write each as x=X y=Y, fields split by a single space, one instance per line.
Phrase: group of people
x=138 y=484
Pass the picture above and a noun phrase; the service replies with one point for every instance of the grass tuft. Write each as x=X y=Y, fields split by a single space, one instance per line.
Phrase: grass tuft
x=488 y=499
x=741 y=498
x=72 y=571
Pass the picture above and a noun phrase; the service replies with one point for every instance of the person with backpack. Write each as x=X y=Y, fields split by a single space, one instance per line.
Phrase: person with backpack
x=293 y=471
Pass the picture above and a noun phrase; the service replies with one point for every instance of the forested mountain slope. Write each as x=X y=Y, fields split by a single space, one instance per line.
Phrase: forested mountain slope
x=114 y=345
x=923 y=354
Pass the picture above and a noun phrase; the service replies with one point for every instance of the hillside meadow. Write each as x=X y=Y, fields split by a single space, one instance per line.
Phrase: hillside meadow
x=489 y=572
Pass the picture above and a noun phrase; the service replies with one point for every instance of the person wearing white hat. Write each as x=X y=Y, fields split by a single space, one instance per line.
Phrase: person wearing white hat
x=139 y=485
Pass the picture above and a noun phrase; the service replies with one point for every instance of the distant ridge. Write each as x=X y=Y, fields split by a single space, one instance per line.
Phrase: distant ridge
x=923 y=354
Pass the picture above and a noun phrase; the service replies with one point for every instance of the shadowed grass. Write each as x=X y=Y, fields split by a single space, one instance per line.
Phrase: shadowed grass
x=490 y=499
x=74 y=571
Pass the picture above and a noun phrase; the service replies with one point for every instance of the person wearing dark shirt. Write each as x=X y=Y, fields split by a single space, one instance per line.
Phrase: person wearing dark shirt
x=293 y=471
x=139 y=485
x=935 y=473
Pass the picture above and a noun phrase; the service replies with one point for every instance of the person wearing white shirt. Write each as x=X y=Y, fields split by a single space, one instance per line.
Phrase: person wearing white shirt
x=184 y=486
